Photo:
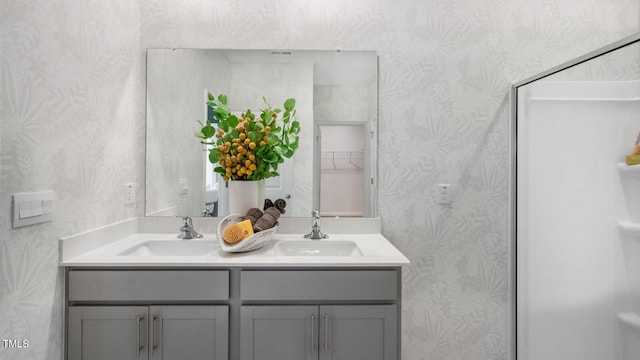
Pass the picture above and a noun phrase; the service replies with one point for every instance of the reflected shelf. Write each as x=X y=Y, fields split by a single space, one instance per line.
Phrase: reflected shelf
x=630 y=227
x=629 y=170
x=342 y=160
x=630 y=319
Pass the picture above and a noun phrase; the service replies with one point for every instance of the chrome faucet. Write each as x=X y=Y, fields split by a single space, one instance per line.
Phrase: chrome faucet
x=315 y=233
x=187 y=231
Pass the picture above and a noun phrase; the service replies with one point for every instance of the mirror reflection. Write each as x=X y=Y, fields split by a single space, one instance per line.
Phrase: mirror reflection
x=336 y=102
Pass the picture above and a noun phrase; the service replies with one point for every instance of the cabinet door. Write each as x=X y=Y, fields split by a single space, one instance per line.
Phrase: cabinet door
x=107 y=332
x=358 y=332
x=279 y=332
x=188 y=332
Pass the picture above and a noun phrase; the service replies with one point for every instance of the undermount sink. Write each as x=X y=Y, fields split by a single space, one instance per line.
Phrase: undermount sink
x=318 y=248
x=171 y=248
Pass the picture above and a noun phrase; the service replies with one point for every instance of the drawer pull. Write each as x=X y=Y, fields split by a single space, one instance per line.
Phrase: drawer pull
x=153 y=337
x=139 y=346
x=326 y=334
x=313 y=326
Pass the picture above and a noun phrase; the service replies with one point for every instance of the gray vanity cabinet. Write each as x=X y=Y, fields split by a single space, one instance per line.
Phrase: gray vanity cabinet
x=107 y=332
x=337 y=314
x=278 y=332
x=358 y=332
x=189 y=332
x=233 y=314
x=147 y=314
x=325 y=332
x=154 y=332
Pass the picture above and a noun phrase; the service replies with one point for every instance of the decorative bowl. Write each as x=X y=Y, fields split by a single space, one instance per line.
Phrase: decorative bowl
x=253 y=242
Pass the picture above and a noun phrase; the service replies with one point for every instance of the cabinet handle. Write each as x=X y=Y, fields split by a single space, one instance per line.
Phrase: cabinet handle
x=313 y=325
x=139 y=346
x=326 y=334
x=153 y=337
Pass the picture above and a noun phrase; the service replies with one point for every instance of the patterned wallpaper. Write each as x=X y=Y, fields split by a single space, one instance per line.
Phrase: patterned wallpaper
x=72 y=120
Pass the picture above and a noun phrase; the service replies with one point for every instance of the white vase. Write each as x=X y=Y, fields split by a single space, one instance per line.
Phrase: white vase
x=244 y=195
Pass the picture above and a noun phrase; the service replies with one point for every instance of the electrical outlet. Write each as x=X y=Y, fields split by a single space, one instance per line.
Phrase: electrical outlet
x=443 y=194
x=129 y=193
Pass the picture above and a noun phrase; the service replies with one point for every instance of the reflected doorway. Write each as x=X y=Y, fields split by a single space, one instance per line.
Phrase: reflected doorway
x=345 y=182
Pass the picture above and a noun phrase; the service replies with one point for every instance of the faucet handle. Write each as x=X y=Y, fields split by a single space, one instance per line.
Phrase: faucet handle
x=315 y=233
x=186 y=230
x=185 y=219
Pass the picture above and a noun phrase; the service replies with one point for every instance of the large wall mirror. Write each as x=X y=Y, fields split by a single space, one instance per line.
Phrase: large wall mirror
x=336 y=96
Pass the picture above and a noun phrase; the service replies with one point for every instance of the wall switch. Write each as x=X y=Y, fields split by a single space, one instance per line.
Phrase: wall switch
x=443 y=194
x=129 y=193
x=33 y=208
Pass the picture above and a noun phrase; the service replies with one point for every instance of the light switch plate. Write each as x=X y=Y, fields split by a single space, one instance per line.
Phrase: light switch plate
x=33 y=207
x=129 y=193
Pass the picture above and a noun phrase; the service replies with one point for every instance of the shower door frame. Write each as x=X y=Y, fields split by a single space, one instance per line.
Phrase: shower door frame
x=513 y=99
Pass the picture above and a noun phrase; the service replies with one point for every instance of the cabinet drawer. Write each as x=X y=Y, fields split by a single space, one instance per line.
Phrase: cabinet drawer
x=148 y=285
x=319 y=285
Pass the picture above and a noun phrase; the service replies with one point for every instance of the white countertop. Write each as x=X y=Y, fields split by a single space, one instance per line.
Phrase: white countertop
x=102 y=248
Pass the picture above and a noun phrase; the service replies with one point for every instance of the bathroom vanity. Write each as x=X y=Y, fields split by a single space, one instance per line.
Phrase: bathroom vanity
x=125 y=303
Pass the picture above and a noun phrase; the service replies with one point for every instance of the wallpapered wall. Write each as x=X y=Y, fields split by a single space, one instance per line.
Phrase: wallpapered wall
x=72 y=111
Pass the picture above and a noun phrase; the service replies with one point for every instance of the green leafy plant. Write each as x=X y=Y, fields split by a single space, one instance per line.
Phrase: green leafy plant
x=249 y=147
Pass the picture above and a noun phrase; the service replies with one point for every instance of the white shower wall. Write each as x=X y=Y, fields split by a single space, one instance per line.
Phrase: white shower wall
x=575 y=270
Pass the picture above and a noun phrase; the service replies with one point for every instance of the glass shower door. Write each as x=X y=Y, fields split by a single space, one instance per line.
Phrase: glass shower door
x=578 y=210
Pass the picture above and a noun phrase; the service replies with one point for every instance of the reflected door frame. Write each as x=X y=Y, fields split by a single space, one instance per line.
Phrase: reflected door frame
x=368 y=184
